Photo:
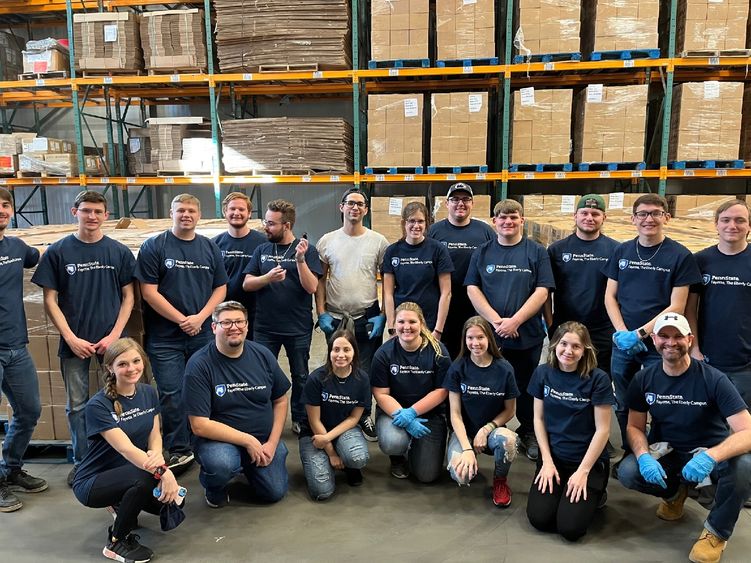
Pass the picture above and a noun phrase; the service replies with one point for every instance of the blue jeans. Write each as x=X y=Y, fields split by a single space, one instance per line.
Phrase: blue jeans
x=220 y=462
x=732 y=477
x=496 y=447
x=298 y=353
x=76 y=378
x=622 y=371
x=351 y=447
x=168 y=359
x=425 y=456
x=19 y=383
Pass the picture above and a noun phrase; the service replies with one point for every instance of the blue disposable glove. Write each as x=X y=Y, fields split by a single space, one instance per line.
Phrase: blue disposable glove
x=626 y=339
x=652 y=471
x=326 y=322
x=403 y=417
x=417 y=429
x=379 y=323
x=636 y=349
x=699 y=467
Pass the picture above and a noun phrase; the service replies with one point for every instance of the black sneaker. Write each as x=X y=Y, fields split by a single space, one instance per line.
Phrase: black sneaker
x=127 y=550
x=531 y=446
x=180 y=462
x=354 y=477
x=21 y=482
x=399 y=467
x=217 y=500
x=368 y=429
x=71 y=476
x=8 y=501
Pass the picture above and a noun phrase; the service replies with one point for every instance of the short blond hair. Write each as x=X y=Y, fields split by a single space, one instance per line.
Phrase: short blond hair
x=186 y=198
x=236 y=195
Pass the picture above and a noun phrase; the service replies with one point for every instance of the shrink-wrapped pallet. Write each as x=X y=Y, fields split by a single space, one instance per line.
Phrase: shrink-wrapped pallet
x=547 y=27
x=620 y=25
x=707 y=27
x=541 y=126
x=395 y=130
x=398 y=29
x=465 y=30
x=459 y=129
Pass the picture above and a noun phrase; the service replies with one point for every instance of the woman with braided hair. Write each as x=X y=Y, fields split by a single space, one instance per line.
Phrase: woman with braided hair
x=124 y=463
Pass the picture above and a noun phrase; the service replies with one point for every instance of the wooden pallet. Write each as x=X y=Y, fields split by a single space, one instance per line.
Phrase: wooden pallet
x=302 y=67
x=43 y=75
x=170 y=71
x=707 y=53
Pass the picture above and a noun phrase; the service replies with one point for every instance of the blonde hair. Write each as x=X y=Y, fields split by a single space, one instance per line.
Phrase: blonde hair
x=233 y=196
x=427 y=336
x=487 y=330
x=118 y=347
x=186 y=198
x=588 y=360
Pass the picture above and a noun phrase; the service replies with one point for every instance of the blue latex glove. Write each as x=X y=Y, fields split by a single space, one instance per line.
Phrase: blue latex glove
x=652 y=471
x=417 y=429
x=626 y=339
x=403 y=417
x=326 y=323
x=636 y=349
x=699 y=467
x=379 y=323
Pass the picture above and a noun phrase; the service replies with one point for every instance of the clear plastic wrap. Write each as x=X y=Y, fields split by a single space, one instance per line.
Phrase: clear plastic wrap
x=465 y=29
x=620 y=25
x=174 y=39
x=459 y=129
x=541 y=127
x=713 y=25
x=547 y=26
x=398 y=29
x=52 y=164
x=395 y=130
x=609 y=123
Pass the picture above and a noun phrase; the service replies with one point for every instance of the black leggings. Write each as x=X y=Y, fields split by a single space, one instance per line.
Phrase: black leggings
x=128 y=488
x=553 y=512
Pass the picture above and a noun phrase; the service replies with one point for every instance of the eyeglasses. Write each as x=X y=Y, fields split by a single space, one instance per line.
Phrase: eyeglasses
x=272 y=224
x=654 y=214
x=464 y=200
x=226 y=324
x=350 y=204
x=415 y=221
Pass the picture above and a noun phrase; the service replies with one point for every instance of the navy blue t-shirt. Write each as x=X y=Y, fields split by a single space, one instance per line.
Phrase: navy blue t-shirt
x=508 y=276
x=409 y=375
x=579 y=281
x=238 y=392
x=88 y=278
x=484 y=391
x=689 y=410
x=186 y=271
x=137 y=421
x=644 y=287
x=725 y=308
x=568 y=408
x=337 y=397
x=461 y=242
x=236 y=253
x=289 y=295
x=415 y=268
x=15 y=255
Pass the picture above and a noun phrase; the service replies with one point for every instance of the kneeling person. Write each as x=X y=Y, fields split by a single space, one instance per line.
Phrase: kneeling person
x=691 y=405
x=235 y=396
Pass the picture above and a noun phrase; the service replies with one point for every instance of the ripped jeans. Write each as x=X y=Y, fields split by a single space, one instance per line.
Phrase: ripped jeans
x=351 y=447
x=502 y=445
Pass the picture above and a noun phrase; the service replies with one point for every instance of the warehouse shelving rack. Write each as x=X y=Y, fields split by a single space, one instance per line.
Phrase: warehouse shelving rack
x=118 y=93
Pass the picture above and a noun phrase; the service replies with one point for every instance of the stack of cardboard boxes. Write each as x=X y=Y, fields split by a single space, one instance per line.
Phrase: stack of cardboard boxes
x=610 y=122
x=167 y=135
x=620 y=25
x=44 y=56
x=174 y=40
x=49 y=157
x=138 y=152
x=11 y=60
x=459 y=129
x=399 y=29
x=707 y=25
x=464 y=30
x=107 y=42
x=395 y=130
x=547 y=26
x=11 y=145
x=541 y=128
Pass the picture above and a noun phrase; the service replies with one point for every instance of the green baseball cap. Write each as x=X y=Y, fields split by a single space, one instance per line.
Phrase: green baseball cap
x=592 y=201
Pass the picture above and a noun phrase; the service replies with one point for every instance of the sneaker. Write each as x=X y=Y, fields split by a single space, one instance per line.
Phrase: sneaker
x=531 y=447
x=603 y=500
x=368 y=429
x=127 y=550
x=180 y=460
x=295 y=427
x=672 y=509
x=399 y=467
x=71 y=476
x=21 y=482
x=707 y=549
x=501 y=492
x=8 y=501
x=354 y=477
x=217 y=500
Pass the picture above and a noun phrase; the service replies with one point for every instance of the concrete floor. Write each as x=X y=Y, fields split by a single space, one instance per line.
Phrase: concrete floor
x=385 y=519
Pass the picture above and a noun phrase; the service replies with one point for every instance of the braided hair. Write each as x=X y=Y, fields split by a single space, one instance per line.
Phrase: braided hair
x=114 y=350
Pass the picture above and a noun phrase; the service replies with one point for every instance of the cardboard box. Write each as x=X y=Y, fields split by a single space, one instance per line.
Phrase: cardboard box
x=541 y=126
x=456 y=119
x=619 y=25
x=386 y=217
x=41 y=62
x=8 y=163
x=461 y=29
x=706 y=25
x=395 y=130
x=399 y=29
x=547 y=26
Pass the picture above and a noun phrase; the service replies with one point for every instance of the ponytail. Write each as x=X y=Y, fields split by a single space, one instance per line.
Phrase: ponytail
x=110 y=391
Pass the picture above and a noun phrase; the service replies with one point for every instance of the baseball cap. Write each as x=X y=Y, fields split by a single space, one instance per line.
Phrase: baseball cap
x=675 y=320
x=460 y=187
x=592 y=201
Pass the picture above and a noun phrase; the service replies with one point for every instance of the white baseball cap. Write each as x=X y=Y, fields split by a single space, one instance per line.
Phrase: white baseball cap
x=675 y=320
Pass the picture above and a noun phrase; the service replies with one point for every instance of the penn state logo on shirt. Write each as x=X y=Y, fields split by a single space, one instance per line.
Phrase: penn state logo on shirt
x=464 y=387
x=546 y=390
x=566 y=257
x=394 y=369
x=169 y=263
x=650 y=398
x=220 y=390
x=395 y=261
x=325 y=395
x=70 y=268
x=445 y=242
x=264 y=257
x=706 y=278
x=224 y=253
x=115 y=417
x=490 y=268
x=623 y=263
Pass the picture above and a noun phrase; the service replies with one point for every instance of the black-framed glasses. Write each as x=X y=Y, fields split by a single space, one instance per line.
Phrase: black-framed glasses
x=227 y=324
x=464 y=200
x=350 y=204
x=654 y=214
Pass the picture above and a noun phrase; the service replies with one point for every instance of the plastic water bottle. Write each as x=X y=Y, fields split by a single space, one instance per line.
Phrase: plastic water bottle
x=181 y=492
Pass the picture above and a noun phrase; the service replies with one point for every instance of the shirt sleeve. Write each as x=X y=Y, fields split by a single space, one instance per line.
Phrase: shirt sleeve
x=321 y=248
x=729 y=400
x=537 y=383
x=280 y=382
x=610 y=269
x=442 y=364
x=44 y=276
x=147 y=263
x=364 y=396
x=452 y=381
x=313 y=261
x=698 y=287
x=544 y=270
x=635 y=399
x=127 y=267
x=473 y=276
x=386 y=266
x=384 y=244
x=311 y=394
x=512 y=389
x=197 y=390
x=602 y=389
x=220 y=272
x=31 y=258
x=99 y=415
x=444 y=264
x=379 y=369
x=687 y=272
x=254 y=266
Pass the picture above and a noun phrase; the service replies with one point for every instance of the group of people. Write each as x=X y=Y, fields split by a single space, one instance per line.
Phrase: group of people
x=466 y=308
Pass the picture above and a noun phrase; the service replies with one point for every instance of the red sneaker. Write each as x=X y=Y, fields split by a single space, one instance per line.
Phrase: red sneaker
x=501 y=492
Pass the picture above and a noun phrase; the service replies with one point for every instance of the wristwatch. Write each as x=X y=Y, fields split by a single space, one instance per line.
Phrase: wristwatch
x=642 y=333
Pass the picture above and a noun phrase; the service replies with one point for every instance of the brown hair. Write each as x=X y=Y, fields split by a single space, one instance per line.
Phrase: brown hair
x=186 y=198
x=588 y=360
x=286 y=208
x=89 y=196
x=487 y=330
x=5 y=195
x=349 y=337
x=507 y=206
x=118 y=347
x=651 y=199
x=409 y=210
x=427 y=336
x=723 y=207
x=228 y=306
x=236 y=195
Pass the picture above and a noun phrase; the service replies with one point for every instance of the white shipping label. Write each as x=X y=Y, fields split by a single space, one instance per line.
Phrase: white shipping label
x=410 y=107
x=594 y=93
x=568 y=203
x=527 y=96
x=475 y=103
x=711 y=90
x=395 y=206
x=110 y=33
x=134 y=144
x=616 y=200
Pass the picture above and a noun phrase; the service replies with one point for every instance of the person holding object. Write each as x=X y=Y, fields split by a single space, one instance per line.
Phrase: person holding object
x=705 y=428
x=482 y=399
x=406 y=376
x=124 y=462
x=335 y=397
x=573 y=405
